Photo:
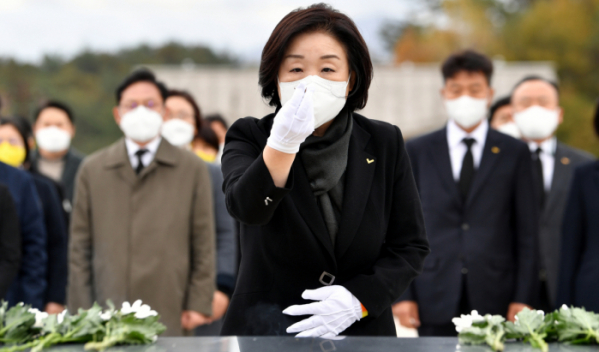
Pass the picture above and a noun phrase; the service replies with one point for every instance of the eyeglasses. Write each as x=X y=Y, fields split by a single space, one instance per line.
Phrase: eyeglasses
x=150 y=104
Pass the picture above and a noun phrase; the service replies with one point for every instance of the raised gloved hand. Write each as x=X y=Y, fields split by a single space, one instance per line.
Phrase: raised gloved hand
x=336 y=311
x=294 y=122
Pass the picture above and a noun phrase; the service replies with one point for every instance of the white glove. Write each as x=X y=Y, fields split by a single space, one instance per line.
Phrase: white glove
x=294 y=122
x=336 y=311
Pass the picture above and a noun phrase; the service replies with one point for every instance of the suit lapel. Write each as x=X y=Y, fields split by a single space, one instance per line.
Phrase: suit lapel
x=119 y=161
x=165 y=155
x=305 y=202
x=491 y=154
x=359 y=174
x=439 y=154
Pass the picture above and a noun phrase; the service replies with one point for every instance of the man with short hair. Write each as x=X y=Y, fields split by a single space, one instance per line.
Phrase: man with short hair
x=142 y=223
x=476 y=189
x=54 y=128
x=537 y=113
x=501 y=117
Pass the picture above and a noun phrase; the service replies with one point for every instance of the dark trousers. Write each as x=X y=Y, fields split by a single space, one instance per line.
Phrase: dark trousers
x=544 y=303
x=448 y=329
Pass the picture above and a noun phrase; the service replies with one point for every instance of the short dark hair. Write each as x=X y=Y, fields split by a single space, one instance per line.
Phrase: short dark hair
x=318 y=17
x=216 y=118
x=596 y=118
x=197 y=115
x=57 y=105
x=140 y=75
x=23 y=127
x=209 y=136
x=499 y=103
x=469 y=61
x=536 y=78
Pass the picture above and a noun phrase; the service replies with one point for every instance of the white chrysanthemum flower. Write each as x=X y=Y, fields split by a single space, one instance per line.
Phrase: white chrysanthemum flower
x=565 y=307
x=466 y=321
x=60 y=316
x=476 y=318
x=127 y=308
x=541 y=313
x=140 y=310
x=145 y=311
x=39 y=317
x=106 y=315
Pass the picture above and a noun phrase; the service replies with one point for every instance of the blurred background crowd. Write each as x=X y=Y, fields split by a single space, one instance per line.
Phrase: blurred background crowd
x=57 y=107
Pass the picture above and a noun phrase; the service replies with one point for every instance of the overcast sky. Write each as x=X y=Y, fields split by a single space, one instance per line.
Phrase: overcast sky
x=31 y=28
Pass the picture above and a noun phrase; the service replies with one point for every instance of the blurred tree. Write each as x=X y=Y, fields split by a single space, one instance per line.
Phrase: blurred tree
x=562 y=31
x=87 y=83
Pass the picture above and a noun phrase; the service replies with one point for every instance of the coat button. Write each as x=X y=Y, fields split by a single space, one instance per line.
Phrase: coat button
x=465 y=227
x=464 y=271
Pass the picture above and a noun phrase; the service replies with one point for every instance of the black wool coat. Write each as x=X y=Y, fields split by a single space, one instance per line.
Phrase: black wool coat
x=285 y=245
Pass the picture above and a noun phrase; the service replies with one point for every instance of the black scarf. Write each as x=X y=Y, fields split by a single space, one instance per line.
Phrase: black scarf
x=325 y=161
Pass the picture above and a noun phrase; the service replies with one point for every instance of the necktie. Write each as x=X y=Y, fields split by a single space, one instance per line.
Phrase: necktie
x=140 y=164
x=467 y=172
x=537 y=166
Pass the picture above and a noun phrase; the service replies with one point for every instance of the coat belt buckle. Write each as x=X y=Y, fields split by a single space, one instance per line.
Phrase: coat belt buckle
x=328 y=277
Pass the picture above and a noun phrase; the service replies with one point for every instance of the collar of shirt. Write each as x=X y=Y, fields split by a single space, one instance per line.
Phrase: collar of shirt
x=548 y=147
x=457 y=148
x=547 y=157
x=147 y=158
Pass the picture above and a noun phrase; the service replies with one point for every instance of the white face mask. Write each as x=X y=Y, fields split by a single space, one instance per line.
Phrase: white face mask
x=537 y=122
x=511 y=129
x=178 y=132
x=53 y=139
x=329 y=97
x=141 y=124
x=466 y=111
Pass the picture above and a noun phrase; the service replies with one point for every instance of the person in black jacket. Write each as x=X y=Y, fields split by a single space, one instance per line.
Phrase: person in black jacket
x=10 y=241
x=481 y=218
x=331 y=224
x=54 y=221
x=535 y=103
x=578 y=283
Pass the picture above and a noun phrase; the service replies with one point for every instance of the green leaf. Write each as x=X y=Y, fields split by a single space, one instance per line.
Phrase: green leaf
x=18 y=324
x=577 y=326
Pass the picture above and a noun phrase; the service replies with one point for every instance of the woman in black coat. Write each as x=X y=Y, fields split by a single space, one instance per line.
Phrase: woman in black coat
x=331 y=224
x=579 y=266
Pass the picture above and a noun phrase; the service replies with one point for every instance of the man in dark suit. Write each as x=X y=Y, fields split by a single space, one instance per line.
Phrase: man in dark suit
x=476 y=189
x=535 y=102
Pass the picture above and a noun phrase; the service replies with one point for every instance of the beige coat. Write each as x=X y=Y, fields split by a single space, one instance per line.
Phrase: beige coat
x=148 y=237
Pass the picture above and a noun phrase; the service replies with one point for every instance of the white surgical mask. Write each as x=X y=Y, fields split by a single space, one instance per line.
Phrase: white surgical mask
x=329 y=96
x=141 y=124
x=178 y=132
x=53 y=139
x=511 y=129
x=466 y=111
x=537 y=122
